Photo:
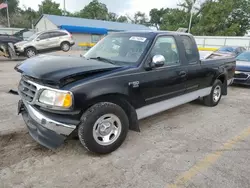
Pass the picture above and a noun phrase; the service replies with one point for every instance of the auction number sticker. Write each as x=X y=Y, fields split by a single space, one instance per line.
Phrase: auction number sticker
x=140 y=39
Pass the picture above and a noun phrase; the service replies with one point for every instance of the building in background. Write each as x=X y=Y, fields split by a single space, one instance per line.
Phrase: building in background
x=84 y=30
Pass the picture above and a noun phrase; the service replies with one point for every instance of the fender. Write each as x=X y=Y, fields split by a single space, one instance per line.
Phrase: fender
x=122 y=101
x=115 y=93
x=223 y=78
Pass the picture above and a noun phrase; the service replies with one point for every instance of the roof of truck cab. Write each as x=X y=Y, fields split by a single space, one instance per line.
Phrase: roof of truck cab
x=154 y=32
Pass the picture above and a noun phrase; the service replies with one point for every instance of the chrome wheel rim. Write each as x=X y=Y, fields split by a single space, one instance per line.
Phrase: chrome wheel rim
x=107 y=129
x=31 y=53
x=65 y=47
x=217 y=93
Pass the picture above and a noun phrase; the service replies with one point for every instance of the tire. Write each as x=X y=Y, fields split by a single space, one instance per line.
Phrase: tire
x=65 y=46
x=214 y=98
x=30 y=52
x=103 y=128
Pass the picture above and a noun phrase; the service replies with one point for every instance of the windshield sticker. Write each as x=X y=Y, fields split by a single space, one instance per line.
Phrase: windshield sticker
x=140 y=39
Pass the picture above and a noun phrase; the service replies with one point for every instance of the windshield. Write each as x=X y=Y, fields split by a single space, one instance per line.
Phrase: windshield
x=125 y=49
x=245 y=56
x=32 y=37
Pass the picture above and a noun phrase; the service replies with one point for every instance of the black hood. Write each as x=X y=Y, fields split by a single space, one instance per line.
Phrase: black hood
x=55 y=69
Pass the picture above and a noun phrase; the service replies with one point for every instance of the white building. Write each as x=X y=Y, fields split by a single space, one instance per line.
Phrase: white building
x=84 y=30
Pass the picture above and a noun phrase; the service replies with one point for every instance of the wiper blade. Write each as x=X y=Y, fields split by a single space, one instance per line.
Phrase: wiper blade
x=103 y=59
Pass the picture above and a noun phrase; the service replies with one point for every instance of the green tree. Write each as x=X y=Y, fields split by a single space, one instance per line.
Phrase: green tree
x=140 y=18
x=122 y=19
x=95 y=10
x=112 y=16
x=156 y=17
x=187 y=5
x=224 y=17
x=174 y=19
x=49 y=7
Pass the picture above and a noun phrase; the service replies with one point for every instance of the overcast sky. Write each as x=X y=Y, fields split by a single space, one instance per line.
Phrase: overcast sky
x=118 y=6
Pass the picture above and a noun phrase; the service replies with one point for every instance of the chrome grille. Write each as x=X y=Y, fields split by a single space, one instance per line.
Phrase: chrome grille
x=27 y=90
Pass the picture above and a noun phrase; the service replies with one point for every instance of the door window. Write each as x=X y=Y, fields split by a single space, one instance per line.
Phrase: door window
x=166 y=46
x=57 y=34
x=44 y=36
x=190 y=49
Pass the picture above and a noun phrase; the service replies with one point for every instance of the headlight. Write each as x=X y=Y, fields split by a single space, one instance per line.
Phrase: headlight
x=56 y=98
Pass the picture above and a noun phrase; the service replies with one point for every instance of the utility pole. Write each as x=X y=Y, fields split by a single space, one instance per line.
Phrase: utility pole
x=8 y=17
x=190 y=22
x=64 y=9
x=191 y=17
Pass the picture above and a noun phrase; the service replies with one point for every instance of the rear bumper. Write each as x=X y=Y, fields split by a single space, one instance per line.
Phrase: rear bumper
x=44 y=130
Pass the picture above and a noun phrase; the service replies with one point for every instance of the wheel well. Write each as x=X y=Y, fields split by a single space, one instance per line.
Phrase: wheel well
x=30 y=47
x=223 y=79
x=124 y=103
x=65 y=42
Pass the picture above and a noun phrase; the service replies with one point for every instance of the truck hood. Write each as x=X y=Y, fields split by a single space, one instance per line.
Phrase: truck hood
x=54 y=70
x=243 y=66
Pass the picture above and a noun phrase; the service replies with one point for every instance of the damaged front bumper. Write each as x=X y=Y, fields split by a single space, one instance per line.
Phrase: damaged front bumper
x=43 y=129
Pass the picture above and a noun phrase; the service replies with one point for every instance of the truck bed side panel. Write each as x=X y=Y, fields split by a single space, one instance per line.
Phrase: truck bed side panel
x=216 y=67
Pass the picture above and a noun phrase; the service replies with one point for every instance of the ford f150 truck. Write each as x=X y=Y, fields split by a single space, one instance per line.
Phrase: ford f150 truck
x=125 y=77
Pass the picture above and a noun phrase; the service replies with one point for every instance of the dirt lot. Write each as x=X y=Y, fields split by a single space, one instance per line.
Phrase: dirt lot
x=189 y=146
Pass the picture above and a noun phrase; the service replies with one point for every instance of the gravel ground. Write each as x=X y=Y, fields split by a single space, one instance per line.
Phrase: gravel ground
x=188 y=146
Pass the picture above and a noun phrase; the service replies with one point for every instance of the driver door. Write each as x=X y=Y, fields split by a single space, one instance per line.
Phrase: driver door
x=162 y=83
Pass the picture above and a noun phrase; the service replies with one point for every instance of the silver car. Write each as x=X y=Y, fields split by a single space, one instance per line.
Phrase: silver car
x=45 y=41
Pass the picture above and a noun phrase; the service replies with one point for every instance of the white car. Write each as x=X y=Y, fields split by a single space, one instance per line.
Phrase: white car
x=45 y=41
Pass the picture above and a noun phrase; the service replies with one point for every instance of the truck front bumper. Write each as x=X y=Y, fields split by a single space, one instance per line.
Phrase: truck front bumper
x=44 y=130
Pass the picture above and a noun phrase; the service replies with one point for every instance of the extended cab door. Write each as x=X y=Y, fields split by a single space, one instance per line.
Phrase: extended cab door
x=197 y=77
x=168 y=81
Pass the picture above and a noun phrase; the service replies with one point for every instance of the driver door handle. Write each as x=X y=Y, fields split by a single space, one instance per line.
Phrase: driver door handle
x=182 y=73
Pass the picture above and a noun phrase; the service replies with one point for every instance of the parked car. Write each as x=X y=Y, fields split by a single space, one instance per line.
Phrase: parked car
x=6 y=45
x=45 y=41
x=242 y=73
x=231 y=50
x=105 y=93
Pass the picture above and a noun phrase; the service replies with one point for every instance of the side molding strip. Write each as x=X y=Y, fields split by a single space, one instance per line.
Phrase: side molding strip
x=158 y=107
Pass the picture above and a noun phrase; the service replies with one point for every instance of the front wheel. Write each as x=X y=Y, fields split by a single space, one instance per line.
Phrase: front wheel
x=103 y=128
x=30 y=52
x=214 y=98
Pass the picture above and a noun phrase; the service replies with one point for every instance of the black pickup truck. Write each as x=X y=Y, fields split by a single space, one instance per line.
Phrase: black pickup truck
x=125 y=77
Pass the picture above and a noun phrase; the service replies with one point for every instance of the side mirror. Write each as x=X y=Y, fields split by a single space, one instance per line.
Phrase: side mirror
x=37 y=39
x=158 y=61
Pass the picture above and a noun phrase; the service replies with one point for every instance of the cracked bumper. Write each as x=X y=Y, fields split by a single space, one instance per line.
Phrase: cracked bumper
x=44 y=130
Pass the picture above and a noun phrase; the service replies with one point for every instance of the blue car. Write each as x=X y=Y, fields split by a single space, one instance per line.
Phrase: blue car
x=231 y=50
x=242 y=71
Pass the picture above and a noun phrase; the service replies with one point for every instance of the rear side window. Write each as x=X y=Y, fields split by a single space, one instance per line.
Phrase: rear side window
x=57 y=34
x=44 y=36
x=190 y=49
x=61 y=34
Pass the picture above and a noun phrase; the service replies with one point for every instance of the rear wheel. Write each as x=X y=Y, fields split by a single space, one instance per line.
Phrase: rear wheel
x=103 y=128
x=30 y=52
x=65 y=46
x=214 y=98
